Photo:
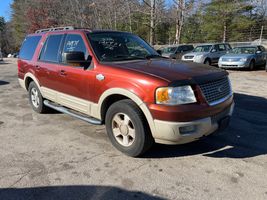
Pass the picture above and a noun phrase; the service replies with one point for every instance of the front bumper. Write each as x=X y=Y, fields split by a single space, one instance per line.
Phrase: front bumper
x=233 y=65
x=170 y=132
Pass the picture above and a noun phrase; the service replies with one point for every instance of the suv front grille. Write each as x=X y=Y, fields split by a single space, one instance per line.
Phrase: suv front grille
x=216 y=91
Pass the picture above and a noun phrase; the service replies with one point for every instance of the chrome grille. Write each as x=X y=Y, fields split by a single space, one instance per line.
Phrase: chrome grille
x=216 y=91
x=188 y=57
x=231 y=59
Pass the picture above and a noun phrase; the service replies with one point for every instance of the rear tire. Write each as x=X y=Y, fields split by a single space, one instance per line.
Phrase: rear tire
x=127 y=128
x=36 y=99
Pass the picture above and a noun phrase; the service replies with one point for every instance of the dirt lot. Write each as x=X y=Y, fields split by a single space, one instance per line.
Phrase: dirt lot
x=55 y=156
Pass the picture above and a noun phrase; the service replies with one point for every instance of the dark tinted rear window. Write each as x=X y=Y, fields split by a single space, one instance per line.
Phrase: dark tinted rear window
x=28 y=47
x=50 y=51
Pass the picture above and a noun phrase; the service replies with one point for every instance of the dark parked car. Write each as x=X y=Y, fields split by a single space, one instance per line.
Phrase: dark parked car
x=176 y=52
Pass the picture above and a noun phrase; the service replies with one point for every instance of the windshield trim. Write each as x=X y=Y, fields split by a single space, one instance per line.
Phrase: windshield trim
x=232 y=50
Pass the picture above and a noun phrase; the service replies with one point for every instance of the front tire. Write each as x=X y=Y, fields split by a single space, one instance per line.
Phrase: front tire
x=252 y=65
x=127 y=128
x=207 y=62
x=36 y=99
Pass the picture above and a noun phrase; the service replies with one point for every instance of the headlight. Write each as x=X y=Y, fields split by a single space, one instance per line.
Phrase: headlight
x=198 y=56
x=243 y=59
x=175 y=95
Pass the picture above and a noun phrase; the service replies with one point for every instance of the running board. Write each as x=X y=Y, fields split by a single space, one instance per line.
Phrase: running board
x=69 y=112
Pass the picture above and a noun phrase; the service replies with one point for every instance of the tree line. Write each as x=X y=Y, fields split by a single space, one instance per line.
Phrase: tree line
x=157 y=21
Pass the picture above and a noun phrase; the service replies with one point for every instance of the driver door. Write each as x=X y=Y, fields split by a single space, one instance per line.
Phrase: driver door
x=75 y=82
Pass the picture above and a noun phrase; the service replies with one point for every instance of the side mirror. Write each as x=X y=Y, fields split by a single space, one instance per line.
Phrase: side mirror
x=258 y=52
x=159 y=52
x=213 y=50
x=77 y=58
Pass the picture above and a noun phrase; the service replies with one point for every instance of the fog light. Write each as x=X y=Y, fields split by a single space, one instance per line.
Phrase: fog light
x=187 y=129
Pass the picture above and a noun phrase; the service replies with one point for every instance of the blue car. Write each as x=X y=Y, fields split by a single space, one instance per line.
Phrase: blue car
x=248 y=57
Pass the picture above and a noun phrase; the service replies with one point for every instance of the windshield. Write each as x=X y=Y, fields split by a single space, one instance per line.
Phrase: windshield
x=243 y=50
x=204 y=48
x=169 y=50
x=114 y=46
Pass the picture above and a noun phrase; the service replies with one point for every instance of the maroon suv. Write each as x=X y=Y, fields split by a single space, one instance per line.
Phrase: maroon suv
x=117 y=79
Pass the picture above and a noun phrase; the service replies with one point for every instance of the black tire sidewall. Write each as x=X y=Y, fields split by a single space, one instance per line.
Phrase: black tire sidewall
x=207 y=61
x=252 y=65
x=40 y=108
x=139 y=145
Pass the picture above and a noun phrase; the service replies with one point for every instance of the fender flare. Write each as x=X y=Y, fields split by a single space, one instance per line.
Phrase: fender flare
x=30 y=75
x=134 y=98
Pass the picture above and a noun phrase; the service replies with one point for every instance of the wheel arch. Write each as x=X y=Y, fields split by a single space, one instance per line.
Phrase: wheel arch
x=115 y=94
x=28 y=78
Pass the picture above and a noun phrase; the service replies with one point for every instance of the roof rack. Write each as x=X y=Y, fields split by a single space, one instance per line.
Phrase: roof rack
x=55 y=29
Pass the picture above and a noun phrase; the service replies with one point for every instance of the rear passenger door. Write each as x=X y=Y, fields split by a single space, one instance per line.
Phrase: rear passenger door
x=221 y=50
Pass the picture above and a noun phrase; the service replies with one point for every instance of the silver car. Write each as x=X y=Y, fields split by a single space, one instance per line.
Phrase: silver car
x=207 y=53
x=244 y=57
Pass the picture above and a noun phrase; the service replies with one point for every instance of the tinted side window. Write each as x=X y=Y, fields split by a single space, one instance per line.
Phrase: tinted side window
x=228 y=47
x=75 y=42
x=28 y=47
x=262 y=48
x=190 y=47
x=222 y=47
x=216 y=47
x=50 y=51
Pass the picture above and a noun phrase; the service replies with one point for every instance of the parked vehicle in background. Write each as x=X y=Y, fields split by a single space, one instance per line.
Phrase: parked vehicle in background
x=1 y=55
x=117 y=79
x=176 y=52
x=13 y=55
x=207 y=53
x=248 y=57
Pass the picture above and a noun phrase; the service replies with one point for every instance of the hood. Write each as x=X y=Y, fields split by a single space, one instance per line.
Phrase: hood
x=173 y=70
x=237 y=55
x=196 y=53
x=167 y=55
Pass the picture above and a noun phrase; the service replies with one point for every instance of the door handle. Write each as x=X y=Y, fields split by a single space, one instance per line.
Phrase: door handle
x=63 y=73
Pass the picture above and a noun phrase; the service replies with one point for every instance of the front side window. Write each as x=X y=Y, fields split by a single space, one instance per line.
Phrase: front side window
x=28 y=47
x=74 y=42
x=50 y=51
x=113 y=46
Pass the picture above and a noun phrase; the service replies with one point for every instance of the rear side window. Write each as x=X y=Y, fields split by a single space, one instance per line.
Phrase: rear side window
x=190 y=47
x=28 y=47
x=50 y=51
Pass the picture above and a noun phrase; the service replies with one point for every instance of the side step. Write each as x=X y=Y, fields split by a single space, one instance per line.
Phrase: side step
x=69 y=112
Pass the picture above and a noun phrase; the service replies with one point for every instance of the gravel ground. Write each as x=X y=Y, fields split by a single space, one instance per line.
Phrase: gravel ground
x=55 y=156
